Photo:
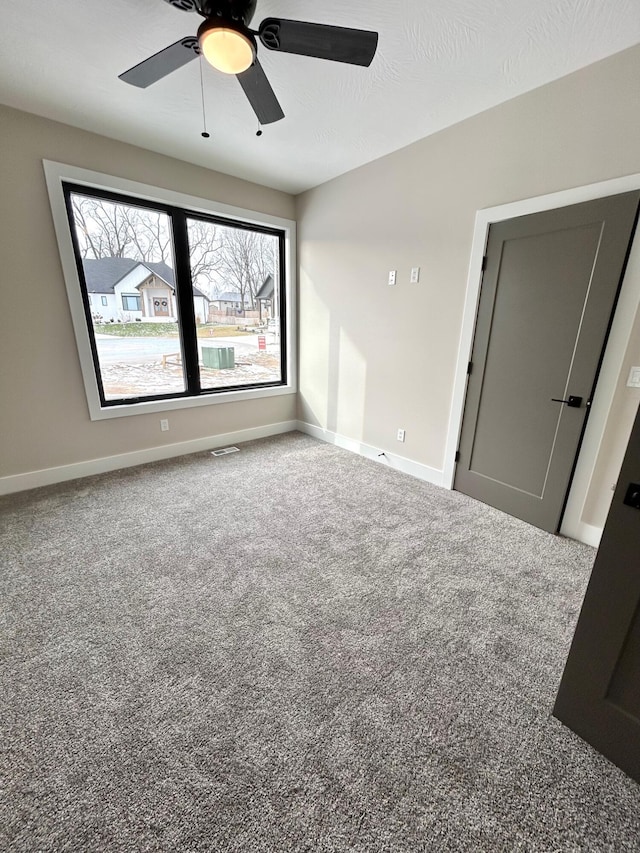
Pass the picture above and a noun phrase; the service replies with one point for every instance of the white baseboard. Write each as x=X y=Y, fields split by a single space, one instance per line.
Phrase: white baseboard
x=587 y=533
x=391 y=460
x=48 y=476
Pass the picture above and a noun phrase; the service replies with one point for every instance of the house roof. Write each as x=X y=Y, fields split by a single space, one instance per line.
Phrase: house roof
x=228 y=296
x=102 y=274
x=266 y=290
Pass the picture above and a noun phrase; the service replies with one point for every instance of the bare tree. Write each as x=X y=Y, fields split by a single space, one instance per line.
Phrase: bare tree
x=204 y=252
x=264 y=262
x=84 y=232
x=124 y=231
x=108 y=229
x=246 y=259
x=150 y=235
x=222 y=257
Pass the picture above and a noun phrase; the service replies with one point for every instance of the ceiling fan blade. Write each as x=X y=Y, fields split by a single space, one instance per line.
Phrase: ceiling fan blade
x=162 y=63
x=260 y=94
x=184 y=5
x=341 y=44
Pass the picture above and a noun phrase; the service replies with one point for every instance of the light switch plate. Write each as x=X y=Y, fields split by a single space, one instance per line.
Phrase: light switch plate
x=634 y=378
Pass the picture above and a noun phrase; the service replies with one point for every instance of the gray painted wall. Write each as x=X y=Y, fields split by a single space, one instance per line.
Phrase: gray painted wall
x=374 y=358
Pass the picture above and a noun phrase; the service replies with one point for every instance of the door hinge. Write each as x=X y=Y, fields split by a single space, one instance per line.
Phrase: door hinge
x=457 y=457
x=484 y=263
x=469 y=368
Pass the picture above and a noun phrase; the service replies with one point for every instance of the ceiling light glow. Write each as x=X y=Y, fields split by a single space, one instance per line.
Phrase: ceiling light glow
x=227 y=49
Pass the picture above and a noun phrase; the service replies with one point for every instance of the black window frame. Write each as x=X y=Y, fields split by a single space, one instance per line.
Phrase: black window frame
x=187 y=327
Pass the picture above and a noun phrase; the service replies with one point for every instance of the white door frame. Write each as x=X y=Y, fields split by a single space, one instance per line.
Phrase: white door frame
x=627 y=307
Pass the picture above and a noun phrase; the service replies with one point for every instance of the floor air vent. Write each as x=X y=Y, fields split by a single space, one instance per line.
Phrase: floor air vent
x=224 y=450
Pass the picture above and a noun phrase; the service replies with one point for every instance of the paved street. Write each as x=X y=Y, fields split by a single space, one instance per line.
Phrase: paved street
x=114 y=350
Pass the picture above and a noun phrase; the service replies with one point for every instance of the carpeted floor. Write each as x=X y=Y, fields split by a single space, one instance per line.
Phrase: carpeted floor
x=290 y=648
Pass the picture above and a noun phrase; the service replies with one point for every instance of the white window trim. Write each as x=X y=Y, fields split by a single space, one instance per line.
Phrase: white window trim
x=55 y=174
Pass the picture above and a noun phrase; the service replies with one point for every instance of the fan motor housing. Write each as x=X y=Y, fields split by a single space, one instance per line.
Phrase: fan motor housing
x=230 y=10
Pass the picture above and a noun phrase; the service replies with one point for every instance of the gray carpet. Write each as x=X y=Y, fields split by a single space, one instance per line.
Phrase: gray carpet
x=290 y=649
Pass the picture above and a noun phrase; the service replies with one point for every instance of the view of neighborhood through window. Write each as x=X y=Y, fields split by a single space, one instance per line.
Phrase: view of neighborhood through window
x=143 y=338
x=237 y=267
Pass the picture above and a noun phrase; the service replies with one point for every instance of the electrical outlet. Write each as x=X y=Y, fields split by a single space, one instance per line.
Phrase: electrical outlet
x=634 y=378
x=392 y=276
x=415 y=275
x=164 y=425
x=400 y=435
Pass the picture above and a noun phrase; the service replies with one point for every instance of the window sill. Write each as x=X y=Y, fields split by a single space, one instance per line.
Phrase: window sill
x=97 y=412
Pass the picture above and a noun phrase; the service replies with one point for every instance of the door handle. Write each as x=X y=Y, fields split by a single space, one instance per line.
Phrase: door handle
x=571 y=401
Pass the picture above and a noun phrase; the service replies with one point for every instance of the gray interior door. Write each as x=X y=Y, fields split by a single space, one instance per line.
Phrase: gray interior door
x=550 y=284
x=599 y=696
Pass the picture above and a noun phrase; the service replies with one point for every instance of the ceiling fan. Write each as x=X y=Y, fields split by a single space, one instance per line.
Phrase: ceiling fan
x=226 y=42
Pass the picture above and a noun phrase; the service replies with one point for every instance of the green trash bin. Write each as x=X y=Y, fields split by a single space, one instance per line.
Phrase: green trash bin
x=218 y=357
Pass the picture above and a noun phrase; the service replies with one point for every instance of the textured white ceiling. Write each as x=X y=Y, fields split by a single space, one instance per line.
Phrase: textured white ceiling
x=438 y=62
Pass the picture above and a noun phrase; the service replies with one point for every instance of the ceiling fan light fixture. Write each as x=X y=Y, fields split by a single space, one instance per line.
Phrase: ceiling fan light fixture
x=226 y=47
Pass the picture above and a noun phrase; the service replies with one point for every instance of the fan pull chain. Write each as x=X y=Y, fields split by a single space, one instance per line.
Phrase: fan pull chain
x=259 y=133
x=204 y=133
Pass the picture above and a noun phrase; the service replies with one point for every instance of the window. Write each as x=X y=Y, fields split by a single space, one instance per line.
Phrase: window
x=164 y=339
x=130 y=302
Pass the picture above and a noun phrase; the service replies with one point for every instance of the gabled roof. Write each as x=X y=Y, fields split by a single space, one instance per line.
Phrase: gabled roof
x=197 y=292
x=102 y=274
x=266 y=289
x=163 y=271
